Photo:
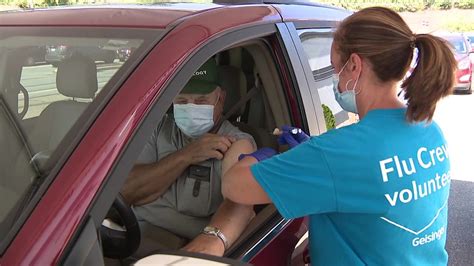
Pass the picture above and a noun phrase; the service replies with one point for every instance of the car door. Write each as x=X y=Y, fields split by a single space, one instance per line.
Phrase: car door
x=273 y=232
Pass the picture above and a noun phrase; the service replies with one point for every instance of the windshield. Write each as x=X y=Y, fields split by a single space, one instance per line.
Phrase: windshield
x=49 y=77
x=459 y=45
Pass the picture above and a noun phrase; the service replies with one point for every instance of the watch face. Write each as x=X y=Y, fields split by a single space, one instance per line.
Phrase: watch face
x=210 y=229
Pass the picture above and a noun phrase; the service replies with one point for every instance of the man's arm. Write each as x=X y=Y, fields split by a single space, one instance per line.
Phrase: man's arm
x=147 y=182
x=231 y=218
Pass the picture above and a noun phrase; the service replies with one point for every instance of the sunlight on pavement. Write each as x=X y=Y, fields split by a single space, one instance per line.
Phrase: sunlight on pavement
x=454 y=115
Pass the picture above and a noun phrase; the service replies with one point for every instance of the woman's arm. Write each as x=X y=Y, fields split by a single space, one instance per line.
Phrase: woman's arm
x=239 y=184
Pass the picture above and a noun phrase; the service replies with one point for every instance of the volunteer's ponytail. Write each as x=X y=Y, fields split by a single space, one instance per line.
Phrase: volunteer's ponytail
x=432 y=79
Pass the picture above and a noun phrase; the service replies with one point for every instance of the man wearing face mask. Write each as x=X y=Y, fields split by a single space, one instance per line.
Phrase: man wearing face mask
x=175 y=186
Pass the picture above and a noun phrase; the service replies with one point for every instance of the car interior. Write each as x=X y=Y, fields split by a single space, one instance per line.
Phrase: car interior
x=260 y=115
x=247 y=71
x=256 y=104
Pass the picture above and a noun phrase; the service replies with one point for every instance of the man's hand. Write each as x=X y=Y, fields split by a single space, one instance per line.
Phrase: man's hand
x=208 y=146
x=206 y=244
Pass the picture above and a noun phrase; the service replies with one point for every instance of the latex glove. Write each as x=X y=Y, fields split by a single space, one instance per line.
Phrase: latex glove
x=260 y=155
x=292 y=136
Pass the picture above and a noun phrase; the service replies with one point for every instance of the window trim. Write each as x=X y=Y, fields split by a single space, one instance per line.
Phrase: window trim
x=326 y=72
x=313 y=116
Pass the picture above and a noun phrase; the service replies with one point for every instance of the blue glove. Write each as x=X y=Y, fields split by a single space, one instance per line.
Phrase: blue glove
x=260 y=155
x=292 y=136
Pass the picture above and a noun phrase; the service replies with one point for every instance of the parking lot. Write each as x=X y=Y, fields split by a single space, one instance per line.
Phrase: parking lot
x=455 y=116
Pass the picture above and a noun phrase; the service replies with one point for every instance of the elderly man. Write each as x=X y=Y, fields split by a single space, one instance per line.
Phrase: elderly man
x=175 y=187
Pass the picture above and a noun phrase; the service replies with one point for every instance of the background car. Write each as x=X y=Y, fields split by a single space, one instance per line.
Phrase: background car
x=470 y=36
x=123 y=54
x=57 y=53
x=462 y=50
x=34 y=55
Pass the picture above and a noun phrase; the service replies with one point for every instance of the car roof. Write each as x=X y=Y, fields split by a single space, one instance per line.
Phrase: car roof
x=159 y=15
x=143 y=16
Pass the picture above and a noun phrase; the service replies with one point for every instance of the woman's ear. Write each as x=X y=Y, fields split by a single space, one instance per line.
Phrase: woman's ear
x=355 y=64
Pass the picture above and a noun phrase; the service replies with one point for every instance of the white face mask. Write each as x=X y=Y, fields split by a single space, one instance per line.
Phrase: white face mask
x=194 y=120
x=347 y=99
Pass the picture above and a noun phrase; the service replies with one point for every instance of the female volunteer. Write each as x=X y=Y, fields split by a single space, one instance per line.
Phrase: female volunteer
x=376 y=191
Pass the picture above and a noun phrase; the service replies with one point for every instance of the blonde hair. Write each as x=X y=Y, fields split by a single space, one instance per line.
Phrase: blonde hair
x=380 y=36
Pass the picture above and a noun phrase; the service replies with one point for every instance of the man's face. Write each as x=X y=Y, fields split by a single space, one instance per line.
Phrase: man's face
x=216 y=98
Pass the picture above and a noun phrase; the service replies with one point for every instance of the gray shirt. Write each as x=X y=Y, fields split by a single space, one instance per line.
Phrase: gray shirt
x=187 y=206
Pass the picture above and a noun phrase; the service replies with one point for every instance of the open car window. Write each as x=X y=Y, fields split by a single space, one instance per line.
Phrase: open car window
x=48 y=78
x=317 y=47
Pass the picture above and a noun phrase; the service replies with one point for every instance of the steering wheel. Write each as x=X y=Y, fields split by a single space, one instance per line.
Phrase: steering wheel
x=122 y=241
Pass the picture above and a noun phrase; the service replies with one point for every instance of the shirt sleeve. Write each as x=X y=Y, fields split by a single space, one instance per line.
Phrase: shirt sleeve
x=299 y=181
x=150 y=151
x=231 y=130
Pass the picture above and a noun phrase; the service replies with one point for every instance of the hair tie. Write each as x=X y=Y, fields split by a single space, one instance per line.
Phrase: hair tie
x=413 y=41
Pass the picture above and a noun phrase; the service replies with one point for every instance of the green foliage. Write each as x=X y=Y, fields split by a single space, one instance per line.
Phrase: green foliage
x=402 y=5
x=458 y=24
x=46 y=3
x=329 y=117
x=442 y=4
x=464 y=4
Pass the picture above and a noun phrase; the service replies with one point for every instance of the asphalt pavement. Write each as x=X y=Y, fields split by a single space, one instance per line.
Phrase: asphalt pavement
x=455 y=116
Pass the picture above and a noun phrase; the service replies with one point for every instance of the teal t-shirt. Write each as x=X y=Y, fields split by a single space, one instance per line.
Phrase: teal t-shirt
x=375 y=192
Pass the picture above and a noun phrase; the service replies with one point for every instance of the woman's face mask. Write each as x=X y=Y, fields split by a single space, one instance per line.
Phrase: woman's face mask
x=346 y=99
x=194 y=120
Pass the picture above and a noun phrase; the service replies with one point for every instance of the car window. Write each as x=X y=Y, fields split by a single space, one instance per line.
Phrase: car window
x=186 y=205
x=49 y=78
x=459 y=45
x=317 y=47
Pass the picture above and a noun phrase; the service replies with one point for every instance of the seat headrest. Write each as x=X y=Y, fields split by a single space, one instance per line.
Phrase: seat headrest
x=77 y=77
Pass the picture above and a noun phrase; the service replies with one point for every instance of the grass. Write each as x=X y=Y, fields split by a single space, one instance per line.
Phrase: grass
x=456 y=23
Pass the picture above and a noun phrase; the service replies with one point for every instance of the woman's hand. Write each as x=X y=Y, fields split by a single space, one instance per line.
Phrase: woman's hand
x=292 y=136
x=206 y=244
x=260 y=155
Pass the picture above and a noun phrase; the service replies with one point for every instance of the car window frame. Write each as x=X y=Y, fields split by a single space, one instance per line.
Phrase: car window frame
x=115 y=179
x=324 y=27
x=304 y=77
x=80 y=127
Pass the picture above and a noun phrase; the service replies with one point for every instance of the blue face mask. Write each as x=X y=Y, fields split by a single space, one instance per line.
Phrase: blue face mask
x=194 y=120
x=347 y=99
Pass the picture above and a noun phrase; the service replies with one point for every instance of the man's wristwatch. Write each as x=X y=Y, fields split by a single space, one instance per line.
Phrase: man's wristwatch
x=214 y=231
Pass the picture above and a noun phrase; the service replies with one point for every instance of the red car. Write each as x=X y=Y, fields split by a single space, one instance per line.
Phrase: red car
x=69 y=136
x=462 y=51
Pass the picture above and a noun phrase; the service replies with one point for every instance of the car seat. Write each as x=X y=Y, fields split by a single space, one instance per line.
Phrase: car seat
x=236 y=84
x=76 y=78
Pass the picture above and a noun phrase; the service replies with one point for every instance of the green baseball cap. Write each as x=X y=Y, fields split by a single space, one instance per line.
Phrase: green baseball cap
x=204 y=80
